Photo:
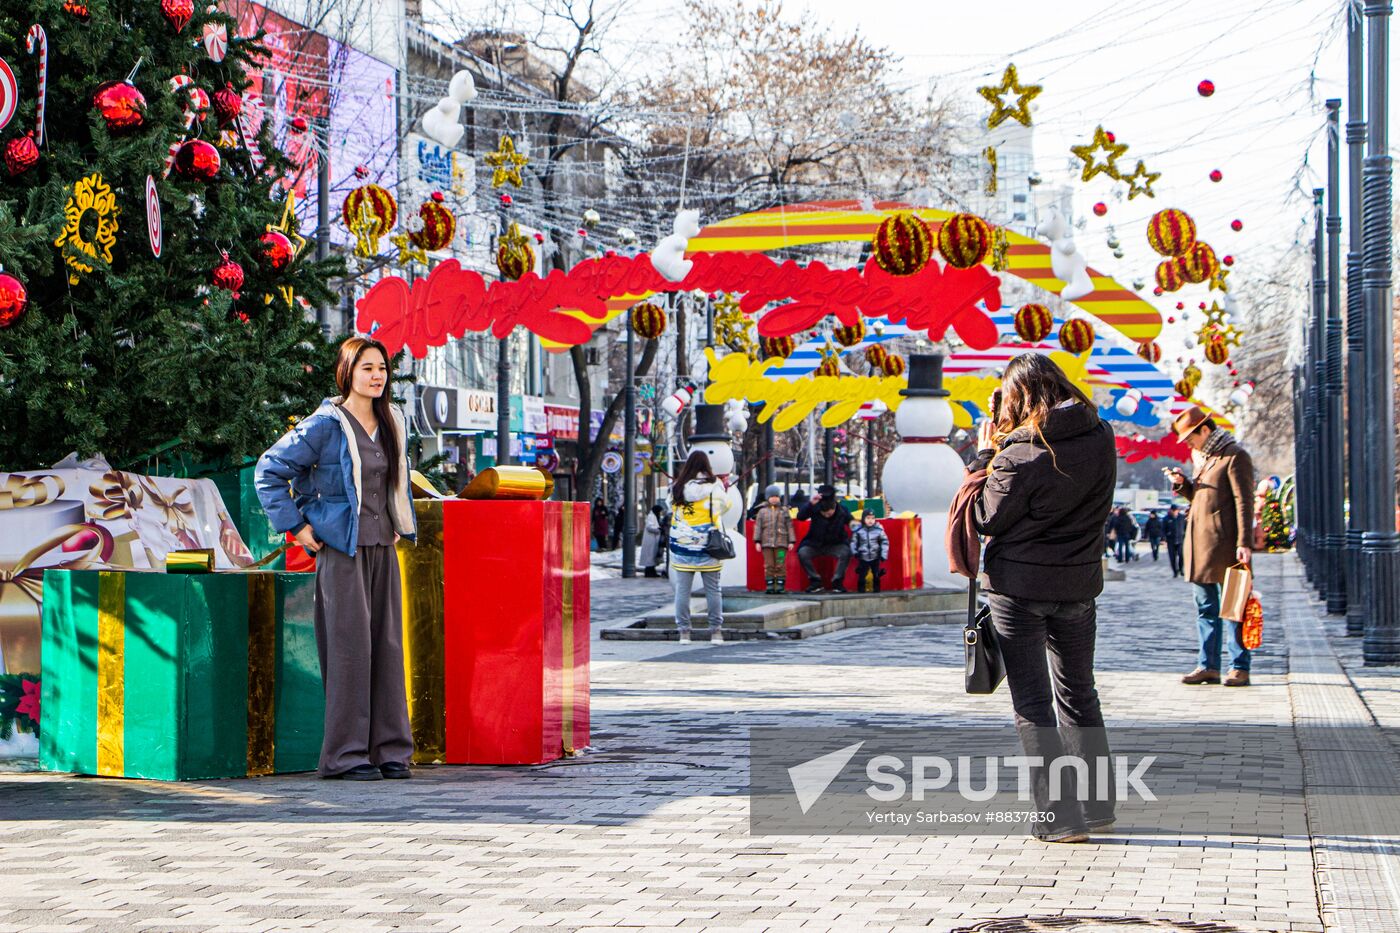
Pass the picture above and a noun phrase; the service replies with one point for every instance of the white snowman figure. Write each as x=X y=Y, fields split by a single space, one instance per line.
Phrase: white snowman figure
x=923 y=473
x=713 y=437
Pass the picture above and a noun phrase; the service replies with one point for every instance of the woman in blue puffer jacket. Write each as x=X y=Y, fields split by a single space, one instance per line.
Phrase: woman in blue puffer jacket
x=338 y=482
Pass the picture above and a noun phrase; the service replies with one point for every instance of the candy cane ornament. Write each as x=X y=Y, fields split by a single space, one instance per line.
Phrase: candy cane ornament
x=153 y=223
x=37 y=43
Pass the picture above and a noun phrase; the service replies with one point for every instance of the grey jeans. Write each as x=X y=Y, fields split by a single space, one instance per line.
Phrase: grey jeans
x=714 y=601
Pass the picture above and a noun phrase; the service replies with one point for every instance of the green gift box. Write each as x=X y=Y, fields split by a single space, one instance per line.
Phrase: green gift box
x=178 y=677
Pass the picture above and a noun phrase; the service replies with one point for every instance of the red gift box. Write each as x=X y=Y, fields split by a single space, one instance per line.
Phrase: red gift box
x=904 y=569
x=515 y=635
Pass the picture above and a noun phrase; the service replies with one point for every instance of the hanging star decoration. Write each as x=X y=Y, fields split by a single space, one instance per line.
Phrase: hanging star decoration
x=409 y=251
x=995 y=94
x=990 y=153
x=1147 y=178
x=287 y=226
x=506 y=164
x=733 y=327
x=1217 y=281
x=1092 y=167
x=1230 y=334
x=1215 y=315
x=1000 y=247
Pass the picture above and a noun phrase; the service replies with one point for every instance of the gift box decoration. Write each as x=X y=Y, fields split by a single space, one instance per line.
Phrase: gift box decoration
x=904 y=568
x=496 y=630
x=180 y=676
x=92 y=517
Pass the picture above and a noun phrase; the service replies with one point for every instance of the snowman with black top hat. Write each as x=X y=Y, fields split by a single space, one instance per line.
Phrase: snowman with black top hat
x=712 y=436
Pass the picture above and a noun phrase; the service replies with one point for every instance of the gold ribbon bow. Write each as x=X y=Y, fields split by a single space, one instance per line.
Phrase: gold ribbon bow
x=177 y=513
x=117 y=495
x=22 y=491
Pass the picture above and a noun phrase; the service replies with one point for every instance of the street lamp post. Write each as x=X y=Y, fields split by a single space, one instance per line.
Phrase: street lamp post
x=1314 y=368
x=1380 y=544
x=1357 y=493
x=1333 y=465
x=629 y=456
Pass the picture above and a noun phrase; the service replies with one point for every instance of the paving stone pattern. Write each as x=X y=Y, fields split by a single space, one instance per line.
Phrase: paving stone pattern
x=649 y=829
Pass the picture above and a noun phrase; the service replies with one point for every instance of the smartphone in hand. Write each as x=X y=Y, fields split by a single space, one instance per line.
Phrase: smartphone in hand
x=995 y=413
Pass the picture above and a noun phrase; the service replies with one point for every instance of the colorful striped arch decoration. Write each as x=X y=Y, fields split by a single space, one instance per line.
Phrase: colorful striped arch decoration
x=816 y=222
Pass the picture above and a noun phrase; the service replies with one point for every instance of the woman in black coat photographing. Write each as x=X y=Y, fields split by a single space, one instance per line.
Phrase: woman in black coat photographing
x=1052 y=467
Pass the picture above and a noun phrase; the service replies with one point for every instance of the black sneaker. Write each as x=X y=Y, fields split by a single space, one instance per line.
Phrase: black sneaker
x=395 y=770
x=838 y=588
x=815 y=588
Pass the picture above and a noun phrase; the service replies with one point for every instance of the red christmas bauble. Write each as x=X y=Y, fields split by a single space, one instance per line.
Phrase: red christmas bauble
x=1157 y=291
x=1100 y=209
x=13 y=299
x=1033 y=322
x=228 y=104
x=197 y=159
x=507 y=200
x=1216 y=175
x=648 y=320
x=1150 y=351
x=875 y=355
x=1181 y=306
x=439 y=225
x=1077 y=336
x=21 y=154
x=1233 y=372
x=1110 y=137
x=177 y=12
x=1237 y=225
x=964 y=240
x=1228 y=260
x=275 y=250
x=850 y=336
x=778 y=347
x=903 y=244
x=299 y=124
x=893 y=365
x=227 y=275
x=122 y=107
x=1206 y=88
x=1171 y=320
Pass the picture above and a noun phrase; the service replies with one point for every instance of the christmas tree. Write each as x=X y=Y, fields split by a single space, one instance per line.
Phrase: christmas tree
x=1275 y=528
x=122 y=334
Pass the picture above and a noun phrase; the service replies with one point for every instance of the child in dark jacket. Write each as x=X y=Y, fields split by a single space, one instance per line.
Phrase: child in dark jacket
x=871 y=548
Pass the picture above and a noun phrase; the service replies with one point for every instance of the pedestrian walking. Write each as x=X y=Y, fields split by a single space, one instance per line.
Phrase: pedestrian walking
x=871 y=548
x=649 y=554
x=1123 y=529
x=827 y=535
x=1218 y=533
x=772 y=532
x=338 y=483
x=1053 y=467
x=1174 y=534
x=697 y=502
x=1154 y=533
x=600 y=524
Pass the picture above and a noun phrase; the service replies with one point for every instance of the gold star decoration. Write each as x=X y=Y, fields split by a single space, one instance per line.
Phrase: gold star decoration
x=1092 y=167
x=1000 y=247
x=287 y=226
x=1147 y=178
x=1217 y=281
x=408 y=250
x=1025 y=93
x=1215 y=315
x=1230 y=334
x=506 y=164
x=733 y=327
x=990 y=154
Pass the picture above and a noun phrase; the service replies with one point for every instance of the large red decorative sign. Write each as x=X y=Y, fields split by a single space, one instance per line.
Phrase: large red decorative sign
x=1133 y=450
x=451 y=300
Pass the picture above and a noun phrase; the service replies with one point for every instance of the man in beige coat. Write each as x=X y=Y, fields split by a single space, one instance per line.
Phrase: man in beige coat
x=1218 y=536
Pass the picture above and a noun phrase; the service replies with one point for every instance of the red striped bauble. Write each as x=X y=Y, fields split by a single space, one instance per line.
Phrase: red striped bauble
x=1077 y=336
x=903 y=244
x=1198 y=264
x=830 y=366
x=1184 y=388
x=1171 y=232
x=373 y=206
x=778 y=348
x=439 y=225
x=1150 y=350
x=648 y=320
x=850 y=335
x=893 y=365
x=1216 y=350
x=964 y=240
x=876 y=355
x=1033 y=323
x=1169 y=275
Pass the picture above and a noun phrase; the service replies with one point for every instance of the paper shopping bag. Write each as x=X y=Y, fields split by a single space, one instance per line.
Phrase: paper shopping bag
x=1234 y=592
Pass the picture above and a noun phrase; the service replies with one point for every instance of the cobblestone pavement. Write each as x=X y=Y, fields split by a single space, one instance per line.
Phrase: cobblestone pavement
x=649 y=829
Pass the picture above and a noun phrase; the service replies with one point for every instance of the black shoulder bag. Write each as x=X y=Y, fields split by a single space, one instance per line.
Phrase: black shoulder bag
x=718 y=544
x=985 y=669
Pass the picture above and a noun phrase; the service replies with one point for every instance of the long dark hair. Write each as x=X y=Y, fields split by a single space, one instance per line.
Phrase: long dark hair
x=350 y=352
x=1031 y=388
x=696 y=465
